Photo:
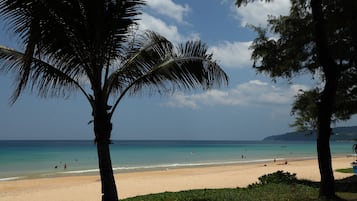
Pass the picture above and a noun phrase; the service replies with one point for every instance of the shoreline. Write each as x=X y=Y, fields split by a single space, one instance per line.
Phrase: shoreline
x=159 y=167
x=87 y=187
x=71 y=158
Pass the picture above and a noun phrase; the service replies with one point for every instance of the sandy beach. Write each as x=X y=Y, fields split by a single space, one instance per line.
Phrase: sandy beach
x=87 y=188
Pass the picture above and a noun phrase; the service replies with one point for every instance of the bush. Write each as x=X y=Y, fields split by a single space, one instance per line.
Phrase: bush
x=278 y=177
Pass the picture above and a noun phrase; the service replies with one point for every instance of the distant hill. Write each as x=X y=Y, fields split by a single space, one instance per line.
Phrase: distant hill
x=340 y=134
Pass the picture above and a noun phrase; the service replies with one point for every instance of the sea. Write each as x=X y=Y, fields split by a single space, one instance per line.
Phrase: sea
x=52 y=158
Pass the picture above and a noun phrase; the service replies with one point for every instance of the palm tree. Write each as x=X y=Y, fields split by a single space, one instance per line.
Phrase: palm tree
x=87 y=46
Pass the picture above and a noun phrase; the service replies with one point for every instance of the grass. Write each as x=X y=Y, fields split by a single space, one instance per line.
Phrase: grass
x=271 y=192
x=278 y=186
x=345 y=170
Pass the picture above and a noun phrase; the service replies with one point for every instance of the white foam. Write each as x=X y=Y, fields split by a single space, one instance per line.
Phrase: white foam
x=180 y=165
x=174 y=165
x=10 y=178
x=80 y=171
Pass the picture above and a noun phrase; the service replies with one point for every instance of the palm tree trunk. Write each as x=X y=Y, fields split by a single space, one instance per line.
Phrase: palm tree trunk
x=109 y=190
x=102 y=130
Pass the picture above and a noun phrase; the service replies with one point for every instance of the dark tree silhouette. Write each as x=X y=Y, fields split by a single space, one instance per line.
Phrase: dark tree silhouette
x=88 y=47
x=317 y=36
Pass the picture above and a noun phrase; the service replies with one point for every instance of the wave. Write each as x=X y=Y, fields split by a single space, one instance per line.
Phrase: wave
x=10 y=178
x=178 y=165
x=181 y=165
x=159 y=167
x=80 y=171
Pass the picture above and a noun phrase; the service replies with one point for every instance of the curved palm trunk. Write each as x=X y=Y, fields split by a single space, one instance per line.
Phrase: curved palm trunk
x=102 y=130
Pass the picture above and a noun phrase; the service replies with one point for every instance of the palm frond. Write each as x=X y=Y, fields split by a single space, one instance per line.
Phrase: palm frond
x=86 y=39
x=43 y=77
x=89 y=35
x=150 y=45
x=159 y=67
x=186 y=67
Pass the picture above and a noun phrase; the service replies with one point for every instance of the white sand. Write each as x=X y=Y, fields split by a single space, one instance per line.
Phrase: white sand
x=87 y=188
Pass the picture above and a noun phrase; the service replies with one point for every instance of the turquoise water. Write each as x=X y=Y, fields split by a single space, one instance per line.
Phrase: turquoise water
x=21 y=159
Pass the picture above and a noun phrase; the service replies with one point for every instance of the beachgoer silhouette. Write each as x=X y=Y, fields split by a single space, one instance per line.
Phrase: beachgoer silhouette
x=65 y=166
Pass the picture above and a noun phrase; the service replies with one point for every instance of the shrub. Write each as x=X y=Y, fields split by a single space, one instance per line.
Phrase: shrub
x=277 y=177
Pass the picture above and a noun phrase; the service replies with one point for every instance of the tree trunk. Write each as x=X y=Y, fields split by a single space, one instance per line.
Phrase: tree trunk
x=324 y=131
x=102 y=130
x=327 y=184
x=326 y=106
x=109 y=190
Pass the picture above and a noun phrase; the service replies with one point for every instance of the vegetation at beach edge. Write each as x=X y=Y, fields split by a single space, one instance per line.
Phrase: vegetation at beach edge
x=345 y=170
x=278 y=186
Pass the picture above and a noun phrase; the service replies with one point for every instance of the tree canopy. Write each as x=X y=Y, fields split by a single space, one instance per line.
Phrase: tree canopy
x=90 y=47
x=318 y=37
x=286 y=48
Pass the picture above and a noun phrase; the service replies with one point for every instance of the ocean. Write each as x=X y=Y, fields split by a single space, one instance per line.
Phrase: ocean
x=27 y=159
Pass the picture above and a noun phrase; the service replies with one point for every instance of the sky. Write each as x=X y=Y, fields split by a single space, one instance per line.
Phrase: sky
x=252 y=107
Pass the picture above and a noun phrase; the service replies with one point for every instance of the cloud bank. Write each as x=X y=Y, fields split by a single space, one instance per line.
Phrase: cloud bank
x=232 y=54
x=169 y=9
x=229 y=54
x=149 y=22
x=157 y=18
x=257 y=13
x=254 y=93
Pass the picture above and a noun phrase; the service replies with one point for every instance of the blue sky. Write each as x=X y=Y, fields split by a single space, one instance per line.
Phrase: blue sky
x=250 y=108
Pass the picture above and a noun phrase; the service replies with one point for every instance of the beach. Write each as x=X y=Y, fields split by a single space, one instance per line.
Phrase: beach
x=87 y=188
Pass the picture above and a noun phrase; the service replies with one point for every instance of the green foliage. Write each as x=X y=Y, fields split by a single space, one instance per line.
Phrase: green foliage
x=291 y=49
x=287 y=48
x=280 y=186
x=345 y=170
x=93 y=48
x=319 y=37
x=270 y=192
x=278 y=177
x=89 y=47
x=305 y=110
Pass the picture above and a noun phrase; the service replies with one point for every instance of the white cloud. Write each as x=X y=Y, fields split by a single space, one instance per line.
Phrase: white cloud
x=254 y=93
x=149 y=22
x=232 y=54
x=256 y=13
x=180 y=100
x=169 y=8
x=171 y=32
